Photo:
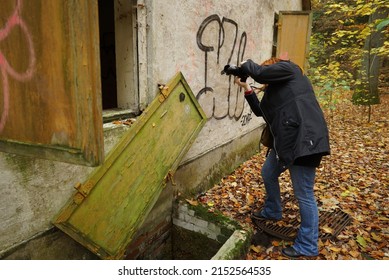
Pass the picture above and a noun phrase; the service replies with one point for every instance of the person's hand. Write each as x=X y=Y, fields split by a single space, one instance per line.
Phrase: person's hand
x=244 y=85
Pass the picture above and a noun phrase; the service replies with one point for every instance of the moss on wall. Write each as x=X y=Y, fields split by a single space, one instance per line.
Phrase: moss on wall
x=190 y=245
x=227 y=225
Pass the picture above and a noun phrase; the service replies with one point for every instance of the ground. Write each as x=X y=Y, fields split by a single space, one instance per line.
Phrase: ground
x=355 y=179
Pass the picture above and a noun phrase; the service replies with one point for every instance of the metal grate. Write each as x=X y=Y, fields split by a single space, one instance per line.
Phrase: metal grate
x=331 y=223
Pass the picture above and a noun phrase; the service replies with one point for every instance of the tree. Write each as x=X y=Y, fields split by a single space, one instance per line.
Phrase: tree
x=366 y=92
x=347 y=46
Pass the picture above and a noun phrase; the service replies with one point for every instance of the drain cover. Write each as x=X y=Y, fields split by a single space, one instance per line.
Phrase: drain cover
x=331 y=223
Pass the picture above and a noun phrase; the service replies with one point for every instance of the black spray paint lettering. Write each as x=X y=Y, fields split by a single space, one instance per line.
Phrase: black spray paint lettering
x=246 y=119
x=235 y=105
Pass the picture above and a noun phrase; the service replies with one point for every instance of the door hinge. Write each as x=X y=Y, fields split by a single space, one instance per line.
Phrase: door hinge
x=82 y=191
x=164 y=92
x=170 y=177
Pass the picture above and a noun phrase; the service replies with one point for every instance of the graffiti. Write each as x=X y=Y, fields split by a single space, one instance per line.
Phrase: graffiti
x=6 y=69
x=246 y=119
x=225 y=49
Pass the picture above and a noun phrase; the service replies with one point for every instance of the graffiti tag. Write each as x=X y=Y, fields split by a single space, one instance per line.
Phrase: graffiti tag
x=15 y=20
x=222 y=52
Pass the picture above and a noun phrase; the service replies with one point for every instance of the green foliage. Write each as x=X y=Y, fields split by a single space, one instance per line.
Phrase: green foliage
x=382 y=24
x=330 y=93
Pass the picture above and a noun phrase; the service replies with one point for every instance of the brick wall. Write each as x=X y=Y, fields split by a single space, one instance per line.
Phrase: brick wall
x=186 y=218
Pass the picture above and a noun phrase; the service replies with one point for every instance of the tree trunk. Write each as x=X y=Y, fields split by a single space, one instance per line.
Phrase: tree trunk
x=367 y=92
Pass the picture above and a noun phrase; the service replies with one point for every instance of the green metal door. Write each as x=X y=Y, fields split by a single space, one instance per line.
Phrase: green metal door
x=108 y=209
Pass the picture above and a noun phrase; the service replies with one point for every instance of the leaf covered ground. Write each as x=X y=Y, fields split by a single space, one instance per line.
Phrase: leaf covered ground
x=355 y=179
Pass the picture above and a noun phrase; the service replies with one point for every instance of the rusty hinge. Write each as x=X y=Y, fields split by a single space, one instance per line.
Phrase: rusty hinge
x=82 y=191
x=169 y=177
x=164 y=92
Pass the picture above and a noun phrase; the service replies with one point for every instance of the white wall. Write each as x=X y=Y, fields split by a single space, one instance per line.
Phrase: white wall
x=178 y=27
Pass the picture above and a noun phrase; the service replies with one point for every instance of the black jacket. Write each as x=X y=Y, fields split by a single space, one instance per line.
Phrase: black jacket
x=290 y=107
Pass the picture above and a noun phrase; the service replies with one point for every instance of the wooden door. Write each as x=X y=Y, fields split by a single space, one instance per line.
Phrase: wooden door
x=108 y=209
x=294 y=31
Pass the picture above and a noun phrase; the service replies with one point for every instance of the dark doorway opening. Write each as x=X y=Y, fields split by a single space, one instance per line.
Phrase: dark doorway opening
x=107 y=54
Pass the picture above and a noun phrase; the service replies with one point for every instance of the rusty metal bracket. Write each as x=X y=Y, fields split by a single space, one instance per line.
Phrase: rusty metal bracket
x=170 y=177
x=164 y=92
x=82 y=191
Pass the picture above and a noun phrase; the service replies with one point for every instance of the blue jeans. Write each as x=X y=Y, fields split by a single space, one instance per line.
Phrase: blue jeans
x=303 y=180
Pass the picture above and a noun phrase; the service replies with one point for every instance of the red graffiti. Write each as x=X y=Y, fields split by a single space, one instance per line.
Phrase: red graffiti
x=6 y=69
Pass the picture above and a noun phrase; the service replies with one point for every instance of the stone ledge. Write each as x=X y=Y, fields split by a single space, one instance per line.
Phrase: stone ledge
x=235 y=247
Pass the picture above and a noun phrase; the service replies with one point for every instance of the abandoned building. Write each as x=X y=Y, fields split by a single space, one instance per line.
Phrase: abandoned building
x=110 y=109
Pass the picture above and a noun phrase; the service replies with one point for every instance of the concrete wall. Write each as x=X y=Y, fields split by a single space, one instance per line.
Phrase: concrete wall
x=198 y=40
x=181 y=35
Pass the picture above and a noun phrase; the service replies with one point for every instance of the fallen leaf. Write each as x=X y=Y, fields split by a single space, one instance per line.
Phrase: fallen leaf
x=354 y=254
x=256 y=249
x=342 y=236
x=192 y=202
x=361 y=241
x=327 y=229
x=376 y=237
x=250 y=199
x=335 y=249
x=269 y=250
x=345 y=193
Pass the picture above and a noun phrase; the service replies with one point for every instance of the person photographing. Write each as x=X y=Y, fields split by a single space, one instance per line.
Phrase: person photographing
x=300 y=140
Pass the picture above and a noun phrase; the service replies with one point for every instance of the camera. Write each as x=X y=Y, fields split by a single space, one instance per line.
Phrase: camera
x=231 y=69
